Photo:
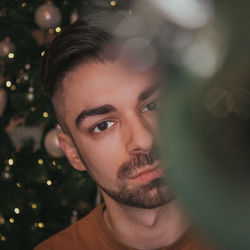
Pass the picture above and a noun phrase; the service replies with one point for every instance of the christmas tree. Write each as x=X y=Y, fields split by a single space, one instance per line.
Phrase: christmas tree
x=40 y=192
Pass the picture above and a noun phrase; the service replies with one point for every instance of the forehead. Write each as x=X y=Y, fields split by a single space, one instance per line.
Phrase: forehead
x=103 y=83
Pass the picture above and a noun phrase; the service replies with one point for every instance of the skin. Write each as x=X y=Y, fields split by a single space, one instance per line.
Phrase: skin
x=102 y=143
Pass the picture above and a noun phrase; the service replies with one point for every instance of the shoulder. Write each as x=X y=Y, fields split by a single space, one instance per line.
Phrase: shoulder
x=79 y=234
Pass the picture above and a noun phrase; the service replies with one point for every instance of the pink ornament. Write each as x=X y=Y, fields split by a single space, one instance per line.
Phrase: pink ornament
x=3 y=100
x=48 y=16
x=6 y=47
x=52 y=145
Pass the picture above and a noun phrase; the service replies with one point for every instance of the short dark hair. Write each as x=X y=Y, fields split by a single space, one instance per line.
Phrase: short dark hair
x=81 y=42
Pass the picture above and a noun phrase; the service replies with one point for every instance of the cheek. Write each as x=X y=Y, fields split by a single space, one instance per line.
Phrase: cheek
x=103 y=155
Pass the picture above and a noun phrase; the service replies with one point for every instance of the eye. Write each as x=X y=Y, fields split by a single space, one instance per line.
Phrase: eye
x=102 y=126
x=151 y=106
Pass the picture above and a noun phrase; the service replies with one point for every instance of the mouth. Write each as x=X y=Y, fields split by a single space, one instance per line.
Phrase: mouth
x=149 y=173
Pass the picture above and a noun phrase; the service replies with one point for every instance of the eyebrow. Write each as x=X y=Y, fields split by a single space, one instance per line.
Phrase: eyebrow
x=100 y=110
x=148 y=92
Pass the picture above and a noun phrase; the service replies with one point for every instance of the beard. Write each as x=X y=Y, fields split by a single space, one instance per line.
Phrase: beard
x=147 y=196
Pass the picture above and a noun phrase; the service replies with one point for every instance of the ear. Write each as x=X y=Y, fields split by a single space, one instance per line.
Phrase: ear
x=70 y=151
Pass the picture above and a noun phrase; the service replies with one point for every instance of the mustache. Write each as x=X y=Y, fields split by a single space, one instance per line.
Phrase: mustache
x=138 y=161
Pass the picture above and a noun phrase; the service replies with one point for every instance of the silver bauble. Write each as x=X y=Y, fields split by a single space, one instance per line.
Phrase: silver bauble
x=48 y=16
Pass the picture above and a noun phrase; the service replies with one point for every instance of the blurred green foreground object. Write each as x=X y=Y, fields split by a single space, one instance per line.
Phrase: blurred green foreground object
x=205 y=126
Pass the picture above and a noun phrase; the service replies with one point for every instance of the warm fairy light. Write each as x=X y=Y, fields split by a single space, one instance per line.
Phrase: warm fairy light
x=11 y=162
x=58 y=29
x=42 y=53
x=40 y=224
x=45 y=114
x=17 y=210
x=59 y=167
x=33 y=108
x=3 y=238
x=8 y=84
x=11 y=220
x=113 y=3
x=54 y=163
x=13 y=87
x=24 y=5
x=11 y=55
x=34 y=206
x=40 y=161
x=18 y=184
x=49 y=182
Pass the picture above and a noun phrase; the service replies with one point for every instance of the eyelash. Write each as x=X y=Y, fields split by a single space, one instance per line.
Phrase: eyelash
x=91 y=130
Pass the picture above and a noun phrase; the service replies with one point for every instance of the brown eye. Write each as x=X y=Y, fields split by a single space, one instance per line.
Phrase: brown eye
x=151 y=106
x=102 y=126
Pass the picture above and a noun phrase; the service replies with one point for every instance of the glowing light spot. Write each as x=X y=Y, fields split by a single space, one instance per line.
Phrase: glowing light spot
x=11 y=220
x=40 y=224
x=113 y=3
x=8 y=84
x=24 y=5
x=54 y=163
x=18 y=184
x=45 y=114
x=11 y=55
x=34 y=206
x=33 y=108
x=3 y=238
x=13 y=87
x=17 y=210
x=51 y=31
x=58 y=29
x=49 y=182
x=11 y=162
x=40 y=161
x=42 y=53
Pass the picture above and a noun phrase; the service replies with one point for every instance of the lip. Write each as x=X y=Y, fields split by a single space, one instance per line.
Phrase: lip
x=149 y=174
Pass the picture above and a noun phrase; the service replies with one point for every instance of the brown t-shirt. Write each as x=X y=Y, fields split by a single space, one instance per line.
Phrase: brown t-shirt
x=92 y=233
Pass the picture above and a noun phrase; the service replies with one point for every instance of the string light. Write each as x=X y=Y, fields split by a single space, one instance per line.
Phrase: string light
x=40 y=161
x=33 y=108
x=54 y=163
x=8 y=84
x=113 y=3
x=58 y=29
x=13 y=87
x=3 y=238
x=18 y=184
x=34 y=206
x=17 y=210
x=49 y=182
x=40 y=224
x=42 y=53
x=11 y=220
x=45 y=114
x=11 y=161
x=11 y=55
x=24 y=5
x=59 y=167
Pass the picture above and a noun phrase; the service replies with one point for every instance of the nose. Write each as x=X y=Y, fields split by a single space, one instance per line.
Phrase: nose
x=139 y=136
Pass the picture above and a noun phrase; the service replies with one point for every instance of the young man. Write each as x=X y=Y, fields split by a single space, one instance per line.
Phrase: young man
x=106 y=109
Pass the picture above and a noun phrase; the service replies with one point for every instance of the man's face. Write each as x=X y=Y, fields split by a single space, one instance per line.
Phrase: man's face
x=110 y=110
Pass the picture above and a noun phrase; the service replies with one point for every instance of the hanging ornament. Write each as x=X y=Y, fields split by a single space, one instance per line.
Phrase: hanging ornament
x=3 y=100
x=30 y=94
x=47 y=16
x=43 y=37
x=6 y=47
x=74 y=16
x=74 y=217
x=51 y=143
x=7 y=174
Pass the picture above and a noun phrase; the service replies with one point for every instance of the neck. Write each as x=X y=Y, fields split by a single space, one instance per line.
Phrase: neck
x=145 y=228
